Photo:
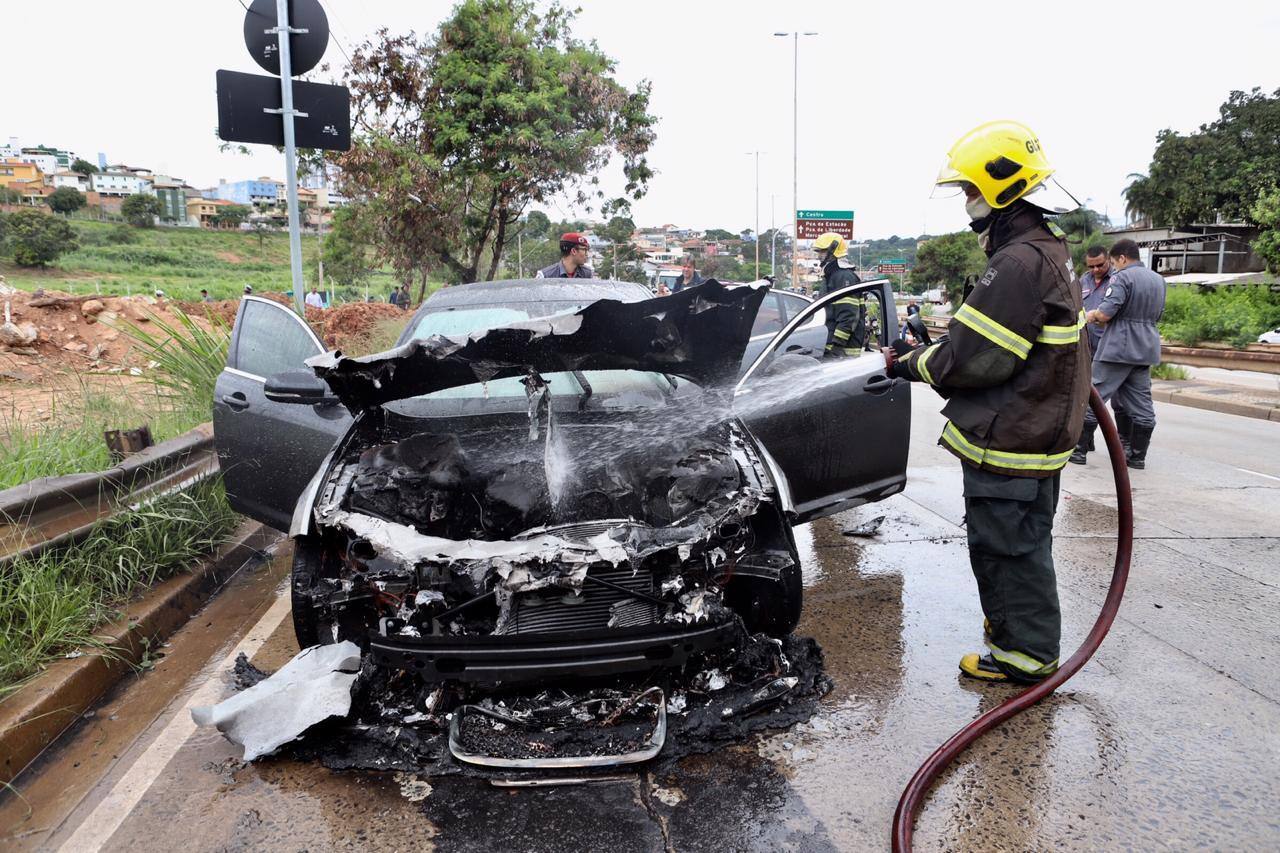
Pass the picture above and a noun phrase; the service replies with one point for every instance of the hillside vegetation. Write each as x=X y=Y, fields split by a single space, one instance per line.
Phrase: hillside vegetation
x=121 y=260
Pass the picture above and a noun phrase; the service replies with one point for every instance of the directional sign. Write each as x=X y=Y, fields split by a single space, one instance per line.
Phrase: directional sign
x=243 y=101
x=305 y=49
x=891 y=268
x=811 y=224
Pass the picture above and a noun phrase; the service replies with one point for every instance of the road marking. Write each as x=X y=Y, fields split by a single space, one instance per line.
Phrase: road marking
x=1259 y=474
x=107 y=816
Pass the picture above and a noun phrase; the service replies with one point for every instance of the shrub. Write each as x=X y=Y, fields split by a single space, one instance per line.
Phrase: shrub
x=1232 y=315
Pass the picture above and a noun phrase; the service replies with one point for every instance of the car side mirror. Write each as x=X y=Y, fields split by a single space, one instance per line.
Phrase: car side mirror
x=298 y=386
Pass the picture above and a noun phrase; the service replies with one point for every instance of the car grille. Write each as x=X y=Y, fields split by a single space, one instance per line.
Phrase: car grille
x=578 y=531
x=561 y=612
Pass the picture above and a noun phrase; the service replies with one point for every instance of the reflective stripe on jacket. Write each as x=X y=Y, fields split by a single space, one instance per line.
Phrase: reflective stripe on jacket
x=846 y=318
x=1014 y=365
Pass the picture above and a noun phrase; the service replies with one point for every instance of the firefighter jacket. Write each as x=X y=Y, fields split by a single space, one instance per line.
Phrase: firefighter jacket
x=846 y=318
x=1014 y=365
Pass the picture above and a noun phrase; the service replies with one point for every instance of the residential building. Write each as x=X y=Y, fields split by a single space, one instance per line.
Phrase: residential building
x=75 y=180
x=115 y=183
x=173 y=199
x=49 y=160
x=13 y=170
x=258 y=193
x=201 y=211
x=11 y=149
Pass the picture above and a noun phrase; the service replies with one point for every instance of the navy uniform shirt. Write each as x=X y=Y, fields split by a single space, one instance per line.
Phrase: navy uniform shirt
x=1134 y=300
x=557 y=270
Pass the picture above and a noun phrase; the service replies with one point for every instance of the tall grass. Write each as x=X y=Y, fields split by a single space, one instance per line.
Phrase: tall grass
x=53 y=603
x=188 y=357
x=71 y=441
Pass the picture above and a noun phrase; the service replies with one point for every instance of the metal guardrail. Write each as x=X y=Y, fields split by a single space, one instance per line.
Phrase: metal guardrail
x=54 y=511
x=1260 y=358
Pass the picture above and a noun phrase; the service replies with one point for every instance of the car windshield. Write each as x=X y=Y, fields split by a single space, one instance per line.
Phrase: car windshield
x=472 y=319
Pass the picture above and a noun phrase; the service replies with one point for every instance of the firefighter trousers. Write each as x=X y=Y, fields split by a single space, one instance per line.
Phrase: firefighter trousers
x=1010 y=531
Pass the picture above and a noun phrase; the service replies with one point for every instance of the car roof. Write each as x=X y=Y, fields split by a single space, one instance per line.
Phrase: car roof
x=579 y=290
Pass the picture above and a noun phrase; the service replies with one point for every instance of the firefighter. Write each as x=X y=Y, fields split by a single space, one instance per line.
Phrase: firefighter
x=847 y=317
x=1014 y=369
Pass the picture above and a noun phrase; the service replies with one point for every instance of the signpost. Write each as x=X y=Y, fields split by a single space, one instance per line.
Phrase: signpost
x=892 y=265
x=812 y=224
x=285 y=37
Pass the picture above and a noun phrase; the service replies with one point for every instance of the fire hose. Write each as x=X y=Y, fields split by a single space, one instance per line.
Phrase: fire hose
x=913 y=795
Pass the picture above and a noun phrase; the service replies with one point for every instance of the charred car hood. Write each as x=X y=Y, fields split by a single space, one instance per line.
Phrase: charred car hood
x=699 y=333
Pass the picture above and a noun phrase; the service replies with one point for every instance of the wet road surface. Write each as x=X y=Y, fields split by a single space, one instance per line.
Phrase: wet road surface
x=1168 y=739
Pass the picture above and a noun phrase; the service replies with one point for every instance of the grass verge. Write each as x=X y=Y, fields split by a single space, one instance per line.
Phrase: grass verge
x=52 y=603
x=1169 y=371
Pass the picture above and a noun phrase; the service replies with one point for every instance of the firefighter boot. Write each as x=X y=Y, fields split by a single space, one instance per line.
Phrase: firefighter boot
x=1085 y=444
x=1124 y=426
x=1140 y=440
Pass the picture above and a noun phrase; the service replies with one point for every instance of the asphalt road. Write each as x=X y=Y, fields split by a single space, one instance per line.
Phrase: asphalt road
x=1168 y=739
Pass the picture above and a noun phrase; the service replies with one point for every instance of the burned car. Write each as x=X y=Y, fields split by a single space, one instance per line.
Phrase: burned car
x=552 y=479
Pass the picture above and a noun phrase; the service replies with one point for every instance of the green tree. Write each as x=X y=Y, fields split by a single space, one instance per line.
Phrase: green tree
x=65 y=200
x=1266 y=213
x=462 y=131
x=231 y=215
x=718 y=234
x=947 y=261
x=140 y=210
x=36 y=238
x=10 y=196
x=1222 y=168
x=348 y=246
x=536 y=224
x=83 y=167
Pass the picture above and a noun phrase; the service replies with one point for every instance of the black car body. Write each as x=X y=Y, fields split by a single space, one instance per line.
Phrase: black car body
x=553 y=478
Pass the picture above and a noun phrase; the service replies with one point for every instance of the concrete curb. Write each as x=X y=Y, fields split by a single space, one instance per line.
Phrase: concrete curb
x=32 y=718
x=1214 y=404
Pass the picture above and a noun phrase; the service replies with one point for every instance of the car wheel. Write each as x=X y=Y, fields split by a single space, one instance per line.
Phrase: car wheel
x=768 y=606
x=307 y=561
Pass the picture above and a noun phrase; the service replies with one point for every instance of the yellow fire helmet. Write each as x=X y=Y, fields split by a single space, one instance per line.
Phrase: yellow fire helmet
x=832 y=241
x=1005 y=161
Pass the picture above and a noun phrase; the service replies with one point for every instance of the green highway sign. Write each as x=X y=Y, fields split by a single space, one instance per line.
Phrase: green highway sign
x=895 y=262
x=824 y=214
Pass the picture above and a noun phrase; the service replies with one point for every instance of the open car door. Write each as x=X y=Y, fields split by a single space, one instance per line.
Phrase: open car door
x=838 y=428
x=268 y=451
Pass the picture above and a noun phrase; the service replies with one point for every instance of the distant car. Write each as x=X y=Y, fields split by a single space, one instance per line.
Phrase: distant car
x=552 y=479
x=1271 y=337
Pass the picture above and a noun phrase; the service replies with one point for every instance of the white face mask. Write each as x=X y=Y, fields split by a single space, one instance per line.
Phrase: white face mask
x=977 y=207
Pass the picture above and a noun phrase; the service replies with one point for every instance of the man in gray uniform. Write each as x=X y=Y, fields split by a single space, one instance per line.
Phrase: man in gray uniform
x=1131 y=306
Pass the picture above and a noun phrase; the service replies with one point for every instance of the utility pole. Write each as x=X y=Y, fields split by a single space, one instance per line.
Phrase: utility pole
x=795 y=139
x=287 y=113
x=757 y=232
x=520 y=252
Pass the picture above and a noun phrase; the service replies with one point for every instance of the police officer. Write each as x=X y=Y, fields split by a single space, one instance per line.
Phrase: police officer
x=1014 y=368
x=847 y=316
x=573 y=259
x=1093 y=284
x=1131 y=306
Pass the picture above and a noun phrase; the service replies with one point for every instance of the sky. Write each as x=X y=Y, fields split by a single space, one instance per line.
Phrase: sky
x=884 y=90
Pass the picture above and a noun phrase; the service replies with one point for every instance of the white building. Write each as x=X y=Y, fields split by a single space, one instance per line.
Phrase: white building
x=11 y=149
x=46 y=163
x=121 y=184
x=75 y=180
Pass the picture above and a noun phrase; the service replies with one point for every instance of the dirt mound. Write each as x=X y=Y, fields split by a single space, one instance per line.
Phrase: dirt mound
x=351 y=325
x=80 y=334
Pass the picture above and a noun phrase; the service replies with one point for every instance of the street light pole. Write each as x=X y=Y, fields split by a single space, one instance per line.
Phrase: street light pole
x=757 y=232
x=795 y=137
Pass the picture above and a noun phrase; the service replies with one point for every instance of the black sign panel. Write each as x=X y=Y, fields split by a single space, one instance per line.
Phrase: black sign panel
x=305 y=49
x=242 y=99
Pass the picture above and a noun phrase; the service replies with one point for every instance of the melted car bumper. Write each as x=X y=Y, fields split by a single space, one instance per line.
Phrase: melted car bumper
x=517 y=658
